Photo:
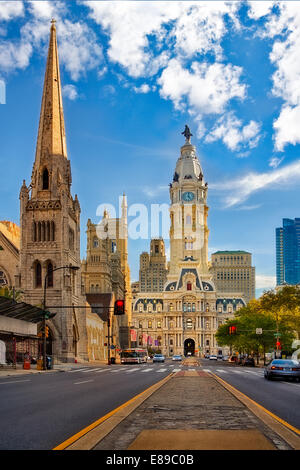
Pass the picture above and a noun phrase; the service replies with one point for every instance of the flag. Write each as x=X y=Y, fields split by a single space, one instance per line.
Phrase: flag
x=150 y=340
x=145 y=338
x=156 y=342
x=133 y=335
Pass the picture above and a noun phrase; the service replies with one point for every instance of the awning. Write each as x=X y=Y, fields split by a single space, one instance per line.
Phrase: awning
x=20 y=310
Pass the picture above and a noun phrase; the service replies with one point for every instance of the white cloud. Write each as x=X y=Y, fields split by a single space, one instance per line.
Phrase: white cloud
x=144 y=88
x=10 y=10
x=286 y=79
x=70 y=92
x=14 y=56
x=260 y=8
x=240 y=189
x=263 y=281
x=274 y=162
x=207 y=88
x=233 y=134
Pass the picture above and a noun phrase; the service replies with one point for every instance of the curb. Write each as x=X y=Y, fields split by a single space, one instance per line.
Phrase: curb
x=276 y=424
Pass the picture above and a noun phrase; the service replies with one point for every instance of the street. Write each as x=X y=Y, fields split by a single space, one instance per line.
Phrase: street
x=39 y=411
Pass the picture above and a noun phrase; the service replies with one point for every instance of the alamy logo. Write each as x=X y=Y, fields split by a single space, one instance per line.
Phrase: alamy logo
x=2 y=92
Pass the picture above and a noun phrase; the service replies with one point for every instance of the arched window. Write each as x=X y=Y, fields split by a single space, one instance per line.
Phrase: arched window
x=48 y=231
x=3 y=279
x=39 y=232
x=52 y=231
x=49 y=274
x=95 y=242
x=45 y=179
x=38 y=274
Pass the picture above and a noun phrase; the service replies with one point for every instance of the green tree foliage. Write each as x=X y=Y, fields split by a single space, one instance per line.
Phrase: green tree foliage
x=11 y=293
x=247 y=320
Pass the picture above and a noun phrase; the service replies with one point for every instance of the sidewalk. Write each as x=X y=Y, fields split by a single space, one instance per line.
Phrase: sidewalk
x=188 y=410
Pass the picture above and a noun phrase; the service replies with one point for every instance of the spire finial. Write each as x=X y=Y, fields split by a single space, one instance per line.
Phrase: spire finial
x=187 y=134
x=53 y=22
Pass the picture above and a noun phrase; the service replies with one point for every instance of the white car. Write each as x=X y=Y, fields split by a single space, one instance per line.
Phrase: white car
x=213 y=357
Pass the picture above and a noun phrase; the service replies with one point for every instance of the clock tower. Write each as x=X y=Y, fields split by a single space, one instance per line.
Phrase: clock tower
x=188 y=212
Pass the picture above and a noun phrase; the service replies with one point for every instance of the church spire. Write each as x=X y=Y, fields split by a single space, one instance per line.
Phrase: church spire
x=51 y=136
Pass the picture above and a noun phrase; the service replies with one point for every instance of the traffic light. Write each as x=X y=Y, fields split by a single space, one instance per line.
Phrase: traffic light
x=47 y=331
x=232 y=330
x=119 y=308
x=278 y=344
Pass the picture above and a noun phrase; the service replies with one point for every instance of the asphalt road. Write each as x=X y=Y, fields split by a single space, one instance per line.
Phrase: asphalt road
x=281 y=397
x=40 y=411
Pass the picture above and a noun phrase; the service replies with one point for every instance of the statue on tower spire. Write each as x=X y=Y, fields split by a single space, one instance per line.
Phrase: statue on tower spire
x=187 y=134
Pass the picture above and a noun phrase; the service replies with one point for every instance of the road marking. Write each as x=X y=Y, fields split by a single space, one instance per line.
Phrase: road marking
x=297 y=431
x=190 y=368
x=84 y=382
x=101 y=370
x=14 y=382
x=84 y=431
x=147 y=370
x=206 y=370
x=118 y=370
x=77 y=370
x=161 y=370
x=177 y=370
x=132 y=370
x=236 y=371
x=222 y=370
x=91 y=370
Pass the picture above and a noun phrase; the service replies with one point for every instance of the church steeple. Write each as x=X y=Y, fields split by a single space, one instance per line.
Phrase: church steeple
x=51 y=136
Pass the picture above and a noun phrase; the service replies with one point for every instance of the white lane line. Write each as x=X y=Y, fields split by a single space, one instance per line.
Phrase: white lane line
x=83 y=382
x=132 y=370
x=147 y=370
x=177 y=370
x=222 y=371
x=190 y=368
x=206 y=370
x=237 y=372
x=101 y=370
x=14 y=382
x=118 y=370
x=77 y=370
x=91 y=370
x=161 y=370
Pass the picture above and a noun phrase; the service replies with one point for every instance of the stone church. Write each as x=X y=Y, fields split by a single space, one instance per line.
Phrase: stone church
x=50 y=225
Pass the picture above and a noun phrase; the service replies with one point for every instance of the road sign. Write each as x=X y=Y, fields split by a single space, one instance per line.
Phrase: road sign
x=112 y=346
x=258 y=331
x=277 y=334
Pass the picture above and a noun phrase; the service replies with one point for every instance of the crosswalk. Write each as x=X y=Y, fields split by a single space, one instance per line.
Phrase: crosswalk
x=147 y=368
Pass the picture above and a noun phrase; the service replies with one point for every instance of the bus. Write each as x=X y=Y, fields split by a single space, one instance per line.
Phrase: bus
x=134 y=356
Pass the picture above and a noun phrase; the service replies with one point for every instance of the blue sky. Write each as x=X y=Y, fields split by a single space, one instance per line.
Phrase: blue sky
x=133 y=74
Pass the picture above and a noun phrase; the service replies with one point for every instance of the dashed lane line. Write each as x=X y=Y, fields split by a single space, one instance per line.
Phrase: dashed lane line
x=83 y=382
x=14 y=382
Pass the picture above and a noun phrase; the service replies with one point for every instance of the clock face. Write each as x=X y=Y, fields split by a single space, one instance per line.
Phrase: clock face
x=188 y=196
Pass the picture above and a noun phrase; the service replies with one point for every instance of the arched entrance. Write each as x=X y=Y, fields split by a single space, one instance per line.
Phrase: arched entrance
x=189 y=347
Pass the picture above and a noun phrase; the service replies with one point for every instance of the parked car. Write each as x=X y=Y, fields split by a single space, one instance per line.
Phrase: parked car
x=233 y=359
x=225 y=358
x=283 y=368
x=177 y=357
x=220 y=356
x=248 y=361
x=213 y=357
x=206 y=356
x=158 y=358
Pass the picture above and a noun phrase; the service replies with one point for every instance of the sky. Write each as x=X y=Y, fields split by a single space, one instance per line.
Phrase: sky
x=133 y=74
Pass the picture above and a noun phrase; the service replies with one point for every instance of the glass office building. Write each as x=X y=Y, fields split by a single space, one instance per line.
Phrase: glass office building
x=288 y=252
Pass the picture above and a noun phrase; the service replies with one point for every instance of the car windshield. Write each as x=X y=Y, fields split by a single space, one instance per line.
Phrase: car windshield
x=285 y=362
x=158 y=355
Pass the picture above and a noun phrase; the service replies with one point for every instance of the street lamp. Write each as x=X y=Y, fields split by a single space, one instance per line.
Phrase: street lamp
x=73 y=268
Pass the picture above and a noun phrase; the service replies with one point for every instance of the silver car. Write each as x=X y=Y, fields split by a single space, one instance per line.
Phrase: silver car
x=283 y=368
x=158 y=358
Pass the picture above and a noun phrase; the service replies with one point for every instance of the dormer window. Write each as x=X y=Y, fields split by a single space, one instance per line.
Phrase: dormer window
x=45 y=179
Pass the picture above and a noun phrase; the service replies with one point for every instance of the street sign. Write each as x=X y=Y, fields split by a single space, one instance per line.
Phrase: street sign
x=277 y=334
x=258 y=331
x=112 y=346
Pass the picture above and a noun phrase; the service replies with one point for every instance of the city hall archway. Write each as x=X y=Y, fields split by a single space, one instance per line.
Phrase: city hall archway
x=189 y=346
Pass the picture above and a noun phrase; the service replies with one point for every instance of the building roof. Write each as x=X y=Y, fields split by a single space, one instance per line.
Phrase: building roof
x=227 y=252
x=20 y=310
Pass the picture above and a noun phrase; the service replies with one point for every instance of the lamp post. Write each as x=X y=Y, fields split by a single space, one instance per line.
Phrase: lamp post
x=74 y=268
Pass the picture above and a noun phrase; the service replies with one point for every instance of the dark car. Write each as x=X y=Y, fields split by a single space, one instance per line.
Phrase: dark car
x=248 y=361
x=283 y=368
